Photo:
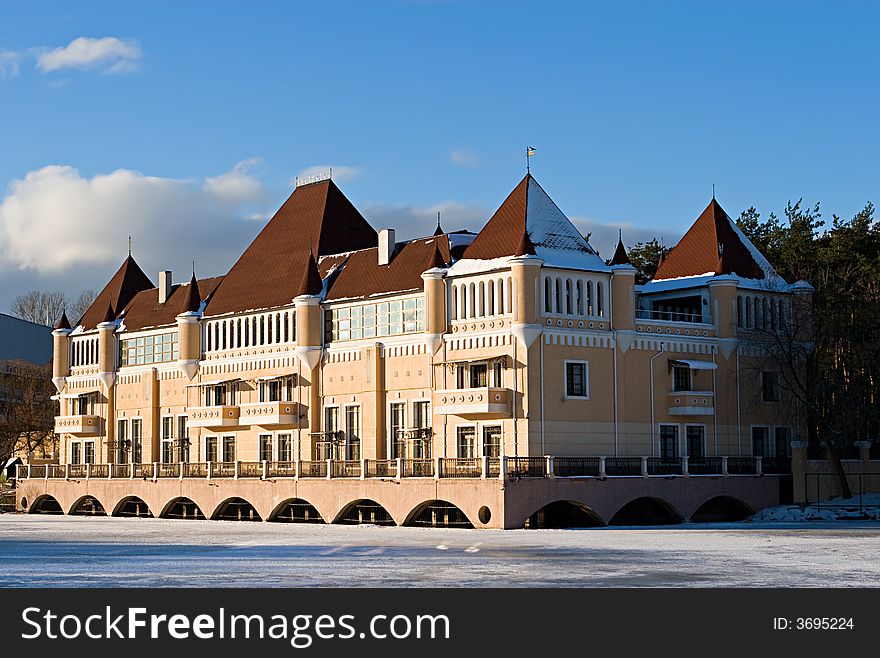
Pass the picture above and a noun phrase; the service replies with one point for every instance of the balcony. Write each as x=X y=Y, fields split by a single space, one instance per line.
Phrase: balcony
x=484 y=401
x=210 y=417
x=267 y=414
x=691 y=403
x=82 y=425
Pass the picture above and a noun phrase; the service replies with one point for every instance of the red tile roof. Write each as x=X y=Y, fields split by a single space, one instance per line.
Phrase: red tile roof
x=318 y=219
x=128 y=281
x=311 y=281
x=503 y=234
x=711 y=245
x=63 y=322
x=145 y=310
x=362 y=276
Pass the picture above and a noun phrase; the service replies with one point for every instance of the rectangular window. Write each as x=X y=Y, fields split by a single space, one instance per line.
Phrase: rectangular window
x=397 y=422
x=229 y=448
x=265 y=447
x=271 y=391
x=770 y=386
x=167 y=440
x=460 y=376
x=353 y=432
x=332 y=443
x=285 y=448
x=466 y=441
x=422 y=414
x=498 y=374
x=479 y=375
x=75 y=452
x=696 y=439
x=88 y=452
x=182 y=439
x=681 y=378
x=760 y=441
x=158 y=348
x=492 y=441
x=669 y=441
x=211 y=449
x=782 y=436
x=576 y=379
x=122 y=442
x=86 y=404
x=371 y=320
x=137 y=440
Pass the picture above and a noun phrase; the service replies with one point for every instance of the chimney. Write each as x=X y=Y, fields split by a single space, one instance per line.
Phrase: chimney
x=164 y=285
x=386 y=245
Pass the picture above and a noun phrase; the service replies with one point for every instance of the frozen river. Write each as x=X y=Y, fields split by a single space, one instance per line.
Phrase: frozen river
x=43 y=551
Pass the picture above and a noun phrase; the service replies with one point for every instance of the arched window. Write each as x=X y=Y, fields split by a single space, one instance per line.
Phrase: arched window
x=579 y=297
x=739 y=311
x=490 y=302
x=600 y=301
x=500 y=296
x=255 y=338
x=589 y=298
x=748 y=312
x=286 y=327
x=455 y=302
x=558 y=307
x=568 y=297
x=509 y=294
x=548 y=295
x=238 y=339
x=262 y=336
x=482 y=312
x=278 y=327
x=473 y=299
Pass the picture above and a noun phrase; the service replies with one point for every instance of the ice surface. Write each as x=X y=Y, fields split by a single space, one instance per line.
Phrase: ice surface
x=123 y=552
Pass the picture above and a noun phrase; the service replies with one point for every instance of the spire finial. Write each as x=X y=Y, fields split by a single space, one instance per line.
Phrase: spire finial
x=620 y=234
x=129 y=246
x=194 y=269
x=530 y=151
x=713 y=190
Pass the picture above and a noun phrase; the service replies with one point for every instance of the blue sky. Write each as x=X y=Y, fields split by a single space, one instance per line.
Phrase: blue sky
x=186 y=129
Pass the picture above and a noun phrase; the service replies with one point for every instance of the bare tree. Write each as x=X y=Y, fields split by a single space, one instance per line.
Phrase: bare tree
x=46 y=306
x=26 y=409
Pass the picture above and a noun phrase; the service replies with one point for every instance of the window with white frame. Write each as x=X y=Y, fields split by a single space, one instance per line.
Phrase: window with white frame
x=696 y=441
x=276 y=390
x=157 y=348
x=167 y=439
x=75 y=452
x=396 y=423
x=88 y=452
x=229 y=448
x=402 y=316
x=466 y=441
x=492 y=441
x=285 y=448
x=122 y=441
x=576 y=379
x=137 y=440
x=211 y=449
x=183 y=438
x=479 y=375
x=681 y=379
x=353 y=431
x=265 y=441
x=668 y=441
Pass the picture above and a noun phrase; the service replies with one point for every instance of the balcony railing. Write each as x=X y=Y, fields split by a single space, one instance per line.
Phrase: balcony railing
x=79 y=425
x=670 y=316
x=444 y=467
x=473 y=402
x=218 y=416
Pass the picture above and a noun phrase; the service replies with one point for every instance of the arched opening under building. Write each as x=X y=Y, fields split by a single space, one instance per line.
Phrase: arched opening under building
x=438 y=514
x=364 y=511
x=296 y=510
x=564 y=514
x=182 y=508
x=133 y=506
x=646 y=511
x=236 y=509
x=88 y=506
x=722 y=509
x=45 y=504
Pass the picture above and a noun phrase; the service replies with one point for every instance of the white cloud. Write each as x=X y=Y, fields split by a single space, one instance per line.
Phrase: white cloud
x=108 y=54
x=55 y=221
x=464 y=158
x=341 y=173
x=239 y=185
x=10 y=63
x=420 y=221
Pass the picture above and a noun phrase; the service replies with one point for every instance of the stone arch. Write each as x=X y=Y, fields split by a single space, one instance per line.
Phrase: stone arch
x=295 y=510
x=235 y=509
x=87 y=505
x=45 y=504
x=132 y=506
x=364 y=510
x=437 y=514
x=563 y=514
x=181 y=507
x=647 y=510
x=719 y=509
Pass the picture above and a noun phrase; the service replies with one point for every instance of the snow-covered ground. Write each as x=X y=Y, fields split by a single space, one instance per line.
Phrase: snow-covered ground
x=118 y=552
x=839 y=509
